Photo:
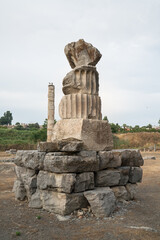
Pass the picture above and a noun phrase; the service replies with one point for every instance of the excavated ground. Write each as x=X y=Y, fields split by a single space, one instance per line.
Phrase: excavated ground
x=133 y=221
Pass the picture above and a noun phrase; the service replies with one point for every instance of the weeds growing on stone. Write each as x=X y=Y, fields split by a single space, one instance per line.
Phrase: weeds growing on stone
x=18 y=233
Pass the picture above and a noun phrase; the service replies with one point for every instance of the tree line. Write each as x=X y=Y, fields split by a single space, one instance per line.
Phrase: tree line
x=116 y=128
x=7 y=118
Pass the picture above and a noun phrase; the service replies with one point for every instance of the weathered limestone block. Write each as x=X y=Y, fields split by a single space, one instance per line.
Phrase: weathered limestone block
x=66 y=145
x=29 y=179
x=30 y=159
x=102 y=201
x=107 y=178
x=109 y=159
x=84 y=181
x=80 y=106
x=30 y=185
x=132 y=190
x=124 y=173
x=70 y=164
x=81 y=53
x=135 y=174
x=84 y=80
x=60 y=203
x=120 y=193
x=130 y=157
x=19 y=190
x=95 y=134
x=23 y=173
x=58 y=182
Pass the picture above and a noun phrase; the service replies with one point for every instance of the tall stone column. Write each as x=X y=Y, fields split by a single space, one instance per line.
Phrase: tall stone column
x=80 y=107
x=50 y=125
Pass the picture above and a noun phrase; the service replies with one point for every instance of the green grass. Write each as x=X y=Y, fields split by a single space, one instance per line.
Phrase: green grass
x=21 y=139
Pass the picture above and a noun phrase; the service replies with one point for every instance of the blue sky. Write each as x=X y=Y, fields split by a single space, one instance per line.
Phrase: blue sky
x=33 y=35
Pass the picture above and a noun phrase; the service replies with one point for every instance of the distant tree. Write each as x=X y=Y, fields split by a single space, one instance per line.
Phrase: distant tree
x=136 y=128
x=149 y=126
x=159 y=122
x=6 y=118
x=115 y=127
x=105 y=118
x=124 y=126
x=18 y=126
x=45 y=123
x=33 y=125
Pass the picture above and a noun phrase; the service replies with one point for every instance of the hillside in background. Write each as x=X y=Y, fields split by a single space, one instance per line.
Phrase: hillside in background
x=141 y=140
x=28 y=139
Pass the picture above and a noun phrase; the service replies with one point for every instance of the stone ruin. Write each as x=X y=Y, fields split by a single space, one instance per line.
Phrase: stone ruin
x=77 y=167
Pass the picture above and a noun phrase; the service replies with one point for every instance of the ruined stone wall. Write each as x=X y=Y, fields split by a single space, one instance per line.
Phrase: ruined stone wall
x=69 y=178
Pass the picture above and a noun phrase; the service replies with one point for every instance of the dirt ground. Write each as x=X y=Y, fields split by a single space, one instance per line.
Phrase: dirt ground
x=137 y=220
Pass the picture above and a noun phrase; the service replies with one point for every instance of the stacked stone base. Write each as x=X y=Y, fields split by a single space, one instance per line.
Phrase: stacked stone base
x=64 y=181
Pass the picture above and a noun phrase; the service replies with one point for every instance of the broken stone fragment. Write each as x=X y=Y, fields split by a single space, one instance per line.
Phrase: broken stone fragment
x=109 y=159
x=19 y=190
x=29 y=179
x=84 y=80
x=107 y=178
x=60 y=203
x=132 y=190
x=30 y=159
x=70 y=164
x=135 y=174
x=120 y=193
x=81 y=53
x=58 y=182
x=102 y=201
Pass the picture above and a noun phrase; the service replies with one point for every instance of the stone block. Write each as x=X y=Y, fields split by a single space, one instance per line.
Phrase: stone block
x=19 y=190
x=30 y=159
x=66 y=145
x=130 y=157
x=102 y=201
x=84 y=181
x=58 y=182
x=22 y=172
x=107 y=178
x=28 y=178
x=124 y=175
x=70 y=164
x=95 y=134
x=59 y=203
x=81 y=53
x=120 y=193
x=135 y=174
x=109 y=159
x=35 y=201
x=132 y=190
